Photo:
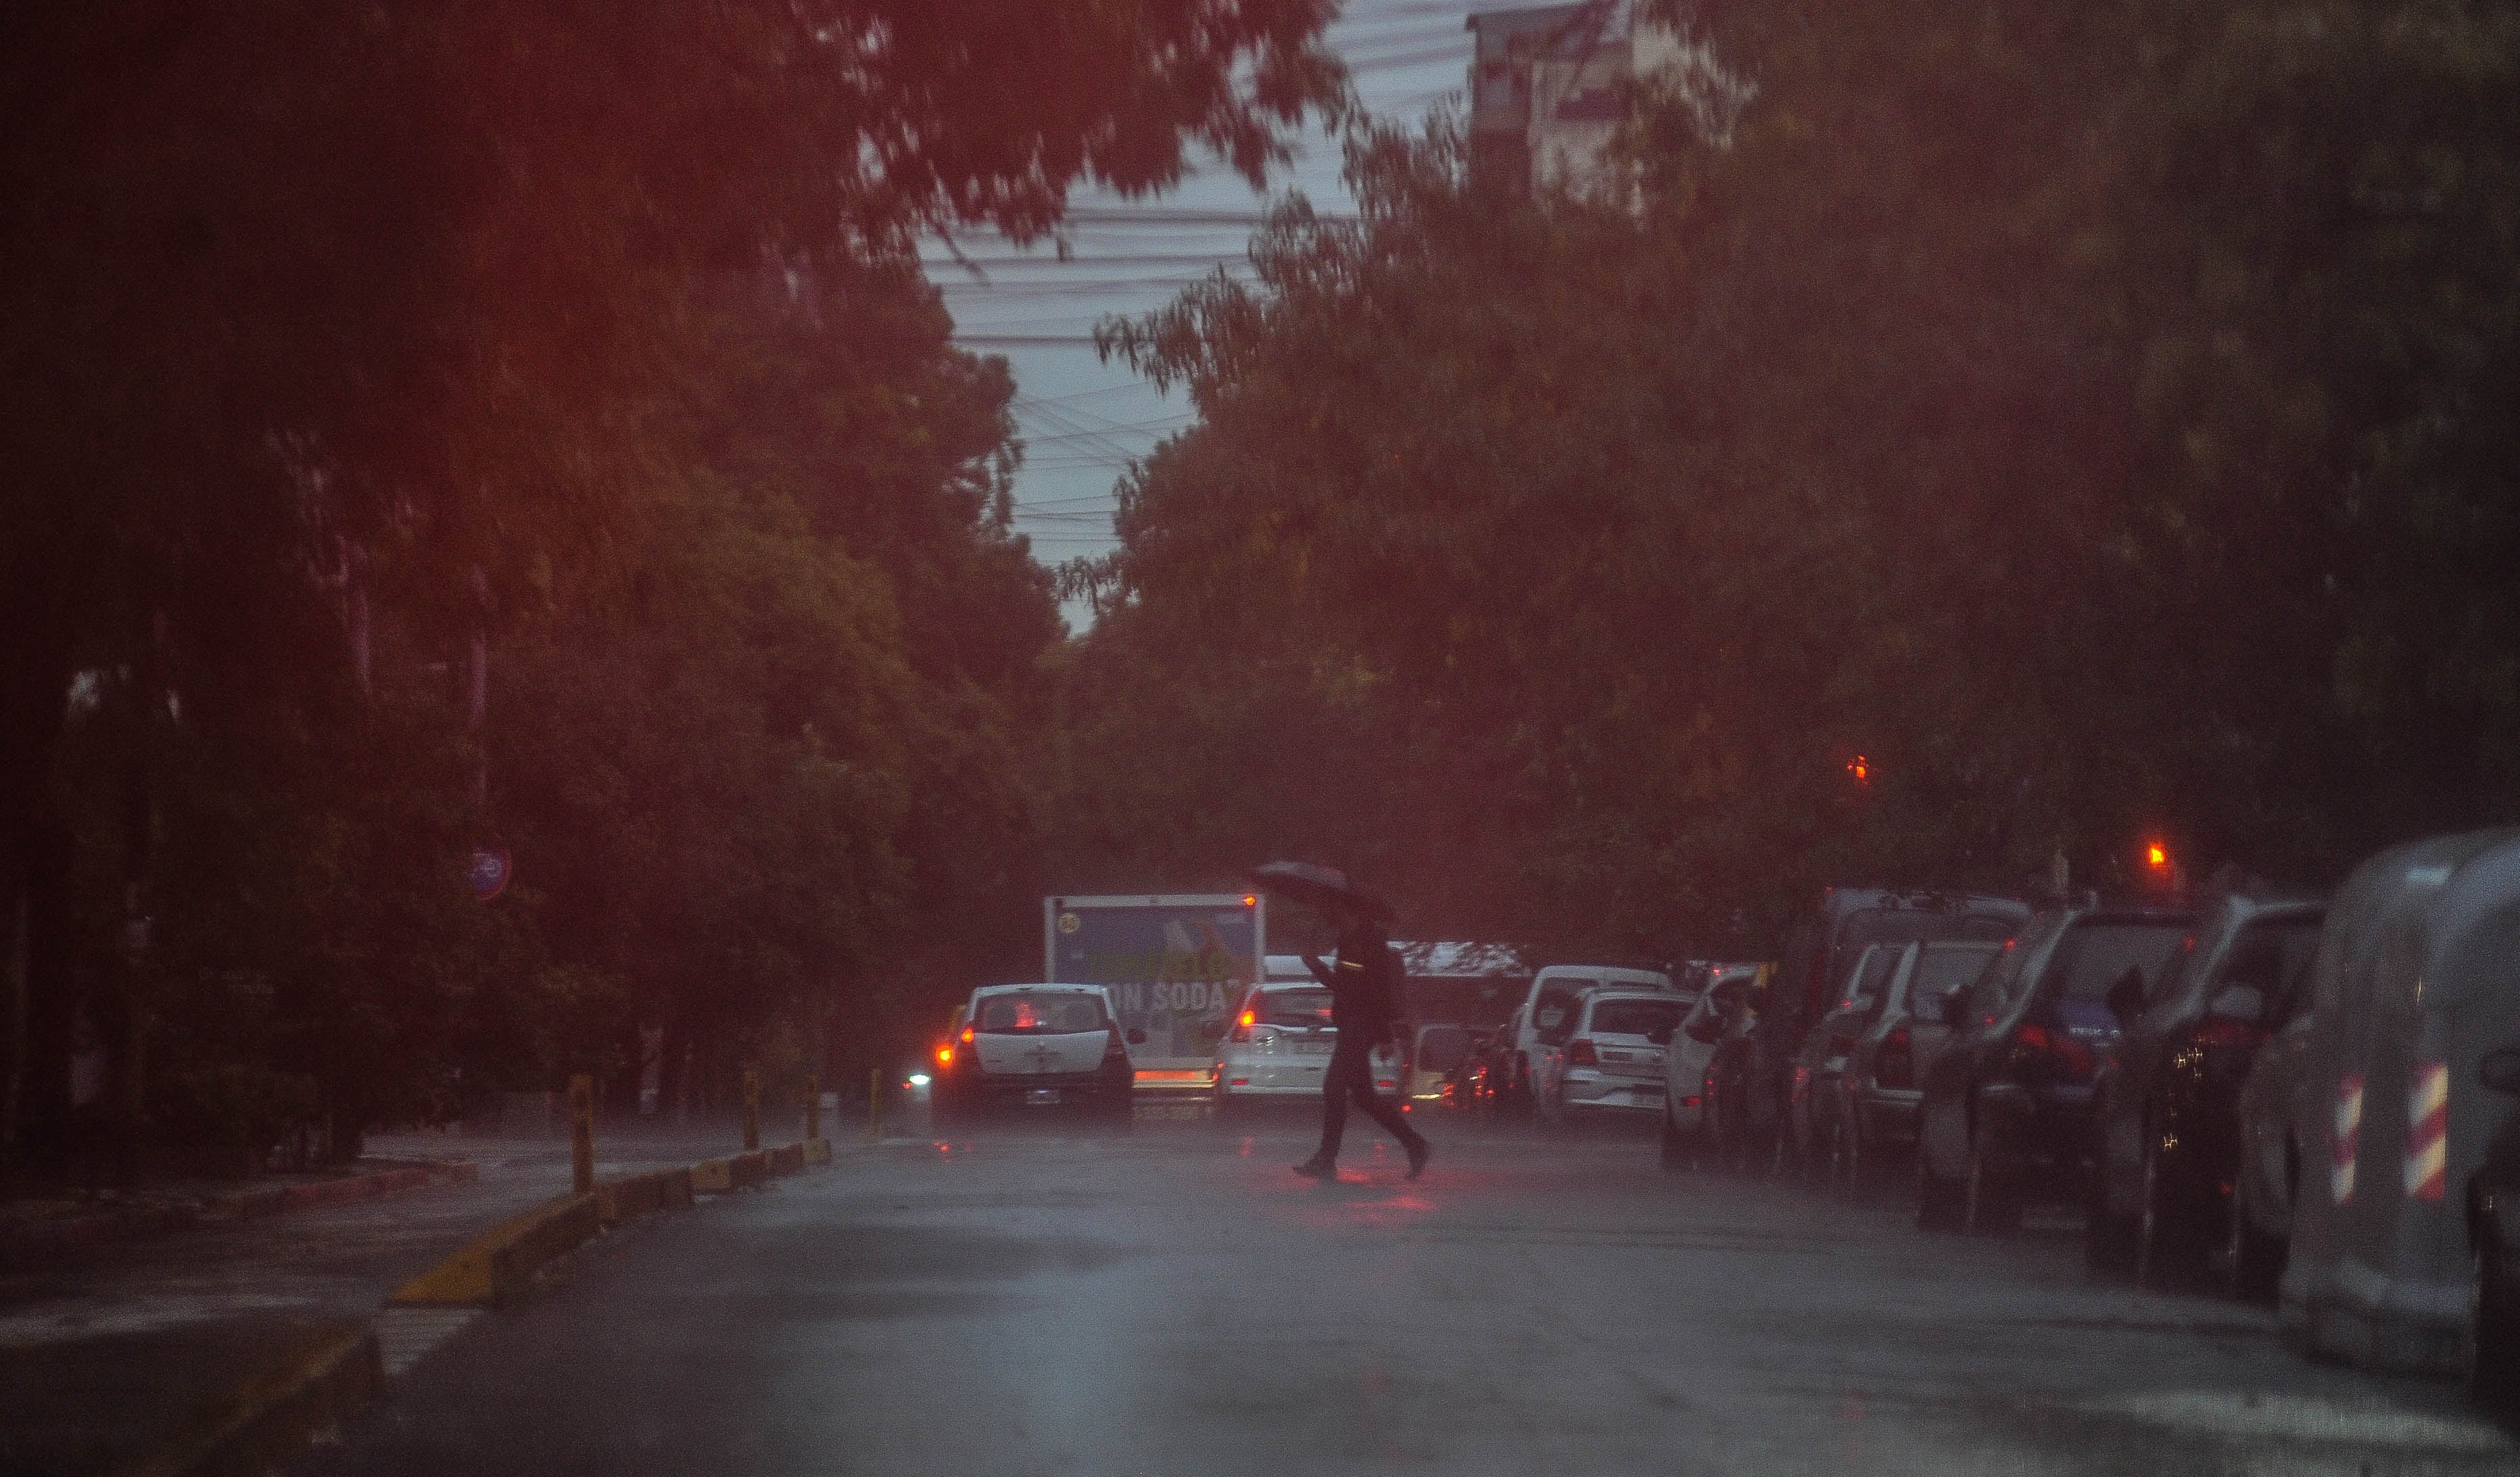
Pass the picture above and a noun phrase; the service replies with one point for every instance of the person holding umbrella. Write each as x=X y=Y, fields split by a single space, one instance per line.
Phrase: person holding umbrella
x=1365 y=1007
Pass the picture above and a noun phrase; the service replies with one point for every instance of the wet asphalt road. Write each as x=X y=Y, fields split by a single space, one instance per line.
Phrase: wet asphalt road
x=1029 y=1300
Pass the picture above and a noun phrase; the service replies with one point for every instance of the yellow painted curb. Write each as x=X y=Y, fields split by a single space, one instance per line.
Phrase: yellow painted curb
x=818 y=1150
x=495 y=1267
x=267 y=1421
x=717 y=1177
x=618 y=1200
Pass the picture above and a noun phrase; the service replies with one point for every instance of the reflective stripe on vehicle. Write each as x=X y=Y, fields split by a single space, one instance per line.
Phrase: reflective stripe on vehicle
x=2428 y=1131
x=2348 y=1135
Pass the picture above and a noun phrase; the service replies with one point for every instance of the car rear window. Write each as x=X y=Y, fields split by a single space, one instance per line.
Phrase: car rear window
x=1026 y=1012
x=1293 y=1008
x=1636 y=1017
x=2093 y=955
x=1939 y=972
x=1441 y=1048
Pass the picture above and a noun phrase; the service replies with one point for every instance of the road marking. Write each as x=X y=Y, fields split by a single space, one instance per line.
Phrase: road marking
x=406 y=1335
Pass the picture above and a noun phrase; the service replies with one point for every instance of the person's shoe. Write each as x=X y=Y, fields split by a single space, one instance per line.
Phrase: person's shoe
x=1418 y=1153
x=1318 y=1167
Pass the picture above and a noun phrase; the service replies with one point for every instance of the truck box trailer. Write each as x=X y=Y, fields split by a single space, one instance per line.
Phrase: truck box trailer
x=1175 y=964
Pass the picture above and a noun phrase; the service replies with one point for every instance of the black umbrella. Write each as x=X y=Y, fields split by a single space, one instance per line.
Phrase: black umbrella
x=1323 y=887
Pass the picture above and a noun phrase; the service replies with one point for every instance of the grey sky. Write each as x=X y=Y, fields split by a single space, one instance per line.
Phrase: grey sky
x=1083 y=421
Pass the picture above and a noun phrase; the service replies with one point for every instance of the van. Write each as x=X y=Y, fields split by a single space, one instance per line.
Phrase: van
x=2412 y=987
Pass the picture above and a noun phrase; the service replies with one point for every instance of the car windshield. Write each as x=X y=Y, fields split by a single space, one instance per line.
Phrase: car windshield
x=2094 y=955
x=1293 y=1008
x=1029 y=1014
x=1655 y=1018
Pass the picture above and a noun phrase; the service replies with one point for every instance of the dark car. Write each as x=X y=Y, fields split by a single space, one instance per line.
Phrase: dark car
x=2006 y=1113
x=1755 y=1077
x=1877 y=1116
x=2167 y=1101
x=1812 y=1096
x=2493 y=1229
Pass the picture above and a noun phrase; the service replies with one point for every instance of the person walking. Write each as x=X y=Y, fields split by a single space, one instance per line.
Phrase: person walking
x=1365 y=1006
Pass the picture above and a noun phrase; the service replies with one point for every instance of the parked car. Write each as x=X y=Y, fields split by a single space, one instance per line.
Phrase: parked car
x=2494 y=1220
x=1811 y=1095
x=1878 y=1086
x=2167 y=1102
x=2005 y=1115
x=1552 y=994
x=1716 y=1016
x=1607 y=1062
x=1433 y=1059
x=1039 y=1045
x=2413 y=987
x=1755 y=1074
x=1278 y=1045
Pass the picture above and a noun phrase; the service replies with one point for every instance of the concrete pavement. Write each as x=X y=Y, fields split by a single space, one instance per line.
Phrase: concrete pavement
x=1175 y=1301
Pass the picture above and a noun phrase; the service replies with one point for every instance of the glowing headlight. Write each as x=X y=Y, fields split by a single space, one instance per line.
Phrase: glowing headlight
x=919 y=1079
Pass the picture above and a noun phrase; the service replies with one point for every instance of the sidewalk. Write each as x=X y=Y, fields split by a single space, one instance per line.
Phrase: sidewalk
x=108 y=1342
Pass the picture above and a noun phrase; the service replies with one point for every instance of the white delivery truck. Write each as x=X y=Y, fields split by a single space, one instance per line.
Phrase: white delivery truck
x=1175 y=964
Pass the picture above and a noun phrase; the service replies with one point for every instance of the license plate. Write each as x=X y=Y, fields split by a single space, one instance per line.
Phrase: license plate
x=1042 y=1094
x=1314 y=1047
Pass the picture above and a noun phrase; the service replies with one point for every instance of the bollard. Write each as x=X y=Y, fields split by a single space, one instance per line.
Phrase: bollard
x=751 y=1109
x=875 y=1102
x=813 y=1108
x=581 y=1134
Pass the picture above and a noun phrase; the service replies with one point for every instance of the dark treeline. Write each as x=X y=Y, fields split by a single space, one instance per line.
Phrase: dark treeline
x=2097 y=419
x=523 y=428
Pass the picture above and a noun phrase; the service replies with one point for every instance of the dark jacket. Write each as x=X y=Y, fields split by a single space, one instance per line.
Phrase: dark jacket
x=1364 y=987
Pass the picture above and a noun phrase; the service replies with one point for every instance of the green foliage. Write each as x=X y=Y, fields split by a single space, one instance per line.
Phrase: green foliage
x=2087 y=415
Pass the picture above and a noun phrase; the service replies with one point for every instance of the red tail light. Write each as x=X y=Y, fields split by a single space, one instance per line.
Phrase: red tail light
x=2071 y=1057
x=1116 y=1050
x=1894 y=1064
x=2221 y=1031
x=1580 y=1053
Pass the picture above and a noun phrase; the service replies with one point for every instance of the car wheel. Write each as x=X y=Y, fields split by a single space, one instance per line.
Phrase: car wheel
x=2252 y=1260
x=2108 y=1241
x=1939 y=1202
x=2167 y=1244
x=1675 y=1155
x=2492 y=1344
x=1992 y=1209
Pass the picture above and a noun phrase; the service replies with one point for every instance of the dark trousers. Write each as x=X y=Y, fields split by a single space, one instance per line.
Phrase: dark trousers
x=1351 y=1075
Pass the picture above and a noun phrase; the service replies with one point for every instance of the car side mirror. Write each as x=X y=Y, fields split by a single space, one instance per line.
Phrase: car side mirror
x=2501 y=1070
x=2241 y=1003
x=1706 y=1030
x=1659 y=1036
x=2126 y=997
x=1956 y=1009
x=1137 y=1036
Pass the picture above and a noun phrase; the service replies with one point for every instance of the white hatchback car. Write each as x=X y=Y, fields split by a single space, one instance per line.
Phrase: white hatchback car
x=1279 y=1045
x=1038 y=1045
x=1608 y=1060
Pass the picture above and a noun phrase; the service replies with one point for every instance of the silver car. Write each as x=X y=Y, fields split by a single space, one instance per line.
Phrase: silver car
x=1605 y=1058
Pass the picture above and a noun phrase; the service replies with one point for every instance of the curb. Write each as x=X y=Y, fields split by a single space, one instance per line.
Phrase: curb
x=269 y=1418
x=268 y=1421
